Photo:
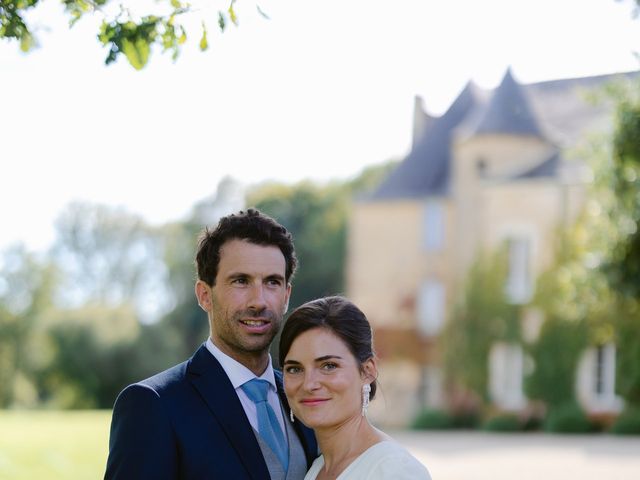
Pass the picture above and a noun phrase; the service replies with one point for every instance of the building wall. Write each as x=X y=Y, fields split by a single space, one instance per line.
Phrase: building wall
x=387 y=260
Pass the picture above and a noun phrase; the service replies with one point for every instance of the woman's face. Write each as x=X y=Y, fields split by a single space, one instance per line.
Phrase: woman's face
x=323 y=380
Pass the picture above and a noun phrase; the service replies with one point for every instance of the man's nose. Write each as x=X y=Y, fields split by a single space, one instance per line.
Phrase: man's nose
x=257 y=299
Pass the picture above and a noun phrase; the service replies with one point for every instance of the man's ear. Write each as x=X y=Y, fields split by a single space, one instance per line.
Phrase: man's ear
x=286 y=303
x=203 y=294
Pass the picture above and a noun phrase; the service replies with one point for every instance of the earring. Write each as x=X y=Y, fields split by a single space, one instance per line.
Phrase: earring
x=366 y=389
x=291 y=416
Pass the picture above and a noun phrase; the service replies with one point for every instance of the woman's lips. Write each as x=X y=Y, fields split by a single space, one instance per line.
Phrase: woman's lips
x=310 y=402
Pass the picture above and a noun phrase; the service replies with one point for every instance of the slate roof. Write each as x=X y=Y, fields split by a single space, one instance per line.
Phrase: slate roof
x=508 y=111
x=432 y=150
x=556 y=110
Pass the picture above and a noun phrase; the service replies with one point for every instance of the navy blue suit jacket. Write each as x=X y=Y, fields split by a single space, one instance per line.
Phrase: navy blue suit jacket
x=188 y=423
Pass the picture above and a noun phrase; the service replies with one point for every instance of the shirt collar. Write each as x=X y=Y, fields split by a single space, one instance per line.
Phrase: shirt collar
x=239 y=374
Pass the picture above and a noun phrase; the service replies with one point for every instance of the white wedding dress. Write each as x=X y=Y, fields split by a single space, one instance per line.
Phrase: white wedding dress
x=386 y=460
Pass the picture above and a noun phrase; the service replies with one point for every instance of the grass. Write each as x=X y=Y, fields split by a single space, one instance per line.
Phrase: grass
x=53 y=444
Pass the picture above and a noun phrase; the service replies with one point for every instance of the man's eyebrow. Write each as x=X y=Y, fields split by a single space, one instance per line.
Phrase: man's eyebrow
x=275 y=276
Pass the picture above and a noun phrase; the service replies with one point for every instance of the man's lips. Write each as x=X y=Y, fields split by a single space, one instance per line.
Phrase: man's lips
x=256 y=324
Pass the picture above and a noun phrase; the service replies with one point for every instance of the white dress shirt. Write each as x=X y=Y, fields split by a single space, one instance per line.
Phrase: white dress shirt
x=239 y=374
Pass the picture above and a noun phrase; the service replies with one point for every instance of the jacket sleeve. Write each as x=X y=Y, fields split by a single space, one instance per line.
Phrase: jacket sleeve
x=141 y=442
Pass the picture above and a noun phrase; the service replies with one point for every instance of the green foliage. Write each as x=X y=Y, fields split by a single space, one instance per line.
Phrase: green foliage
x=430 y=419
x=628 y=353
x=433 y=419
x=623 y=263
x=627 y=423
x=12 y=24
x=556 y=355
x=26 y=290
x=568 y=418
x=90 y=357
x=483 y=318
x=109 y=256
x=503 y=423
x=124 y=32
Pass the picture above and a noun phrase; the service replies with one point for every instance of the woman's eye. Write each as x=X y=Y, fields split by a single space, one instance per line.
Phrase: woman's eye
x=329 y=366
x=293 y=370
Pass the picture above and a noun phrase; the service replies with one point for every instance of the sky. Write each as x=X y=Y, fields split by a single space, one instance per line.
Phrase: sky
x=318 y=91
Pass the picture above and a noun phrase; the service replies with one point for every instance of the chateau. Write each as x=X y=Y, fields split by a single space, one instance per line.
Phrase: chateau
x=499 y=167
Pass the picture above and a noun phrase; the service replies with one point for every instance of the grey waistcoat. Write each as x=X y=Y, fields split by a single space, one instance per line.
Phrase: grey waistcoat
x=297 y=459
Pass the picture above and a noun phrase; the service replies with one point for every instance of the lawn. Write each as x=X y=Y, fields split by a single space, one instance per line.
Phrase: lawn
x=53 y=444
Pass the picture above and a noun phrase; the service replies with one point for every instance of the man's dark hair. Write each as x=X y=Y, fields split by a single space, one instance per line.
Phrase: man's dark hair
x=337 y=315
x=252 y=226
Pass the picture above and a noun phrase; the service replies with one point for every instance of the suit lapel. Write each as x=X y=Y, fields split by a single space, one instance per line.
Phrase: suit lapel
x=210 y=380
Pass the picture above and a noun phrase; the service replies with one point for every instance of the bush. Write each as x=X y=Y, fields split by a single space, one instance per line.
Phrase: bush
x=628 y=423
x=430 y=419
x=434 y=419
x=503 y=423
x=568 y=418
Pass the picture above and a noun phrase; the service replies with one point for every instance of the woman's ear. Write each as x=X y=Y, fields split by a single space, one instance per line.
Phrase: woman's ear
x=370 y=370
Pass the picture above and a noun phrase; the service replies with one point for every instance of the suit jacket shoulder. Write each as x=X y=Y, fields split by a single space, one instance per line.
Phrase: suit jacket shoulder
x=187 y=422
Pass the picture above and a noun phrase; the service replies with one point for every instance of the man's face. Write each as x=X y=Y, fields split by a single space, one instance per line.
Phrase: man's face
x=248 y=301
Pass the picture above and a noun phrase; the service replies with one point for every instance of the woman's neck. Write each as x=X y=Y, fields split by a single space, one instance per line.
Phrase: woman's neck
x=342 y=444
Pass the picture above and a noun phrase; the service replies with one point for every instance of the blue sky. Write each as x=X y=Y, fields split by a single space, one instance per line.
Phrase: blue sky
x=318 y=91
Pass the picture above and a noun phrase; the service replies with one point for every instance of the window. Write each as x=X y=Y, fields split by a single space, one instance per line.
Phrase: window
x=605 y=371
x=506 y=363
x=518 y=286
x=431 y=387
x=433 y=227
x=431 y=307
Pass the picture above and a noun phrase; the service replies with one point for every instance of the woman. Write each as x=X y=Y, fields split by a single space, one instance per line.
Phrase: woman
x=330 y=375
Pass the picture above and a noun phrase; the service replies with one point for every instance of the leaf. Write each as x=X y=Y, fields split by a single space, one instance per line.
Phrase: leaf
x=26 y=42
x=261 y=12
x=221 y=21
x=232 y=13
x=136 y=51
x=204 y=44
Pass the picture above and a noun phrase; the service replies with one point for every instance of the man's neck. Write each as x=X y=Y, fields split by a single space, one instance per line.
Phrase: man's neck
x=257 y=362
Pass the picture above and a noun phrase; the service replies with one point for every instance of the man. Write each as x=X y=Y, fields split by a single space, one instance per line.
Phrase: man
x=201 y=419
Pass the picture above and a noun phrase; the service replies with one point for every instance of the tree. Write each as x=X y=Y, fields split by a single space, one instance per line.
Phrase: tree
x=123 y=30
x=26 y=291
x=112 y=257
x=623 y=180
x=482 y=317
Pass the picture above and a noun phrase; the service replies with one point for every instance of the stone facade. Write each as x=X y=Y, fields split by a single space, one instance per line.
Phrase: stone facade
x=496 y=167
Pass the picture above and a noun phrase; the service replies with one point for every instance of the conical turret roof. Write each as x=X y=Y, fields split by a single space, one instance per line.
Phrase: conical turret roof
x=509 y=111
x=425 y=171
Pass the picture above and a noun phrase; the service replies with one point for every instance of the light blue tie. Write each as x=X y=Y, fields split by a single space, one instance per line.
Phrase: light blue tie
x=268 y=426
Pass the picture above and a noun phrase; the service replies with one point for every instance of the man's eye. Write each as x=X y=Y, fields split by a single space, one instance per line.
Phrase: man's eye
x=240 y=281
